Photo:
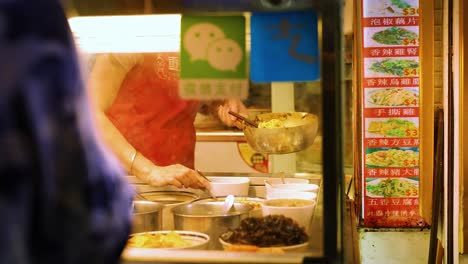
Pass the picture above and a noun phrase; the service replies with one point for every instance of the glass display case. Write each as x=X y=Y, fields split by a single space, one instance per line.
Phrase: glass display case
x=139 y=28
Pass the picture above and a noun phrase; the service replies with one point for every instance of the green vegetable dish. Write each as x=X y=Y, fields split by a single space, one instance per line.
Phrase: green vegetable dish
x=392 y=188
x=394 y=36
x=400 y=4
x=398 y=67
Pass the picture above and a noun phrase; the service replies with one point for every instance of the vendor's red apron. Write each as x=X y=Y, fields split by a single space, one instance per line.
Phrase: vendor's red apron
x=151 y=115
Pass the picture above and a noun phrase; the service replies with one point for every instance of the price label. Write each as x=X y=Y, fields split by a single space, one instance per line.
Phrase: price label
x=409 y=102
x=411 y=132
x=412 y=192
x=410 y=163
x=411 y=11
x=410 y=72
x=412 y=41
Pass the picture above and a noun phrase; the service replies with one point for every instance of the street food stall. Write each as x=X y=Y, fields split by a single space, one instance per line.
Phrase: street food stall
x=284 y=60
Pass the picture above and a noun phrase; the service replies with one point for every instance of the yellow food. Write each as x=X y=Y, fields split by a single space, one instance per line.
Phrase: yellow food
x=254 y=204
x=149 y=240
x=289 y=202
x=393 y=158
x=394 y=127
x=273 y=123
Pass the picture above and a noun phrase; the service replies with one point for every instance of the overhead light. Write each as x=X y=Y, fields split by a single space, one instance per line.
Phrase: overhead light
x=126 y=34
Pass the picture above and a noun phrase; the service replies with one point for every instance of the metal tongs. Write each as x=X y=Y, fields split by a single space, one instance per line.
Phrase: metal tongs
x=208 y=190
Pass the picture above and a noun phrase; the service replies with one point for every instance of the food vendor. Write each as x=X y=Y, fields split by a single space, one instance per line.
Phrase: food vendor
x=144 y=121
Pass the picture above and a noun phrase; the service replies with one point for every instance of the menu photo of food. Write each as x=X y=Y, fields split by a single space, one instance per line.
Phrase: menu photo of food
x=391 y=36
x=392 y=187
x=379 y=8
x=391 y=67
x=391 y=97
x=392 y=127
x=392 y=157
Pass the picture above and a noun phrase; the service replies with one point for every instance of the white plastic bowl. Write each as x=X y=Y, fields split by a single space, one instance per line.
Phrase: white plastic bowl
x=272 y=194
x=299 y=187
x=223 y=186
x=301 y=210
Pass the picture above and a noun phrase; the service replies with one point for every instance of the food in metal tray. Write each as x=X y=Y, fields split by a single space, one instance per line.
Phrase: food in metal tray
x=267 y=231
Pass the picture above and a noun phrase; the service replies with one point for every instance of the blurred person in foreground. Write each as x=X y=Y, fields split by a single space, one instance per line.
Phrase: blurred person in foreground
x=145 y=122
x=62 y=197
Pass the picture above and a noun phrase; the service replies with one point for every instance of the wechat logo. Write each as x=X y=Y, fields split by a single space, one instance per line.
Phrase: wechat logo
x=207 y=42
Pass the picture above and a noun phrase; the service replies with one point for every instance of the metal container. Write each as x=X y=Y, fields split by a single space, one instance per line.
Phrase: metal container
x=169 y=200
x=147 y=216
x=210 y=218
x=255 y=202
x=298 y=133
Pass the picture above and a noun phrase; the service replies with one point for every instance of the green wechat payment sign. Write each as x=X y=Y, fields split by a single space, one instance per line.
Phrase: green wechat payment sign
x=212 y=57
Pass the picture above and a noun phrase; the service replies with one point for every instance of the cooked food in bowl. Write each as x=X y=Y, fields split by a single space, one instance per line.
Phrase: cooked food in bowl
x=280 y=133
x=300 y=210
x=268 y=231
x=168 y=239
x=290 y=202
x=255 y=202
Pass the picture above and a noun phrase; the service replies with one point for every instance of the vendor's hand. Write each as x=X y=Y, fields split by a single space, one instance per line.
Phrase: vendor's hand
x=233 y=105
x=177 y=175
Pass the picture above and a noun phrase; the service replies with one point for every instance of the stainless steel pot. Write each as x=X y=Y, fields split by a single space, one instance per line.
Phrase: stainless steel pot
x=169 y=200
x=210 y=218
x=298 y=133
x=147 y=216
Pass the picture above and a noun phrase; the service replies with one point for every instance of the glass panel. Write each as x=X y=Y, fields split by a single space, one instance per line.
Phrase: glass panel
x=134 y=87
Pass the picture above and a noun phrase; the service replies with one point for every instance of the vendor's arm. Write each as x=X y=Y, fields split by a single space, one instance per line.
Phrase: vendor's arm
x=106 y=78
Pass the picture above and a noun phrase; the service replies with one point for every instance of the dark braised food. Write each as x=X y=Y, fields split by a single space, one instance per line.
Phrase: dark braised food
x=268 y=231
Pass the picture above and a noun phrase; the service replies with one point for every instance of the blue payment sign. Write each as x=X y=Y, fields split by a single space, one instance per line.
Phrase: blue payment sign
x=284 y=47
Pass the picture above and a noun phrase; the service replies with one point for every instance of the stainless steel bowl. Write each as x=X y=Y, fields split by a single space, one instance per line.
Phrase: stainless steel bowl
x=210 y=218
x=147 y=216
x=298 y=133
x=255 y=202
x=169 y=200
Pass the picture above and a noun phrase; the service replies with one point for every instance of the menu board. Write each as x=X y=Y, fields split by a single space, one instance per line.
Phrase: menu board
x=390 y=113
